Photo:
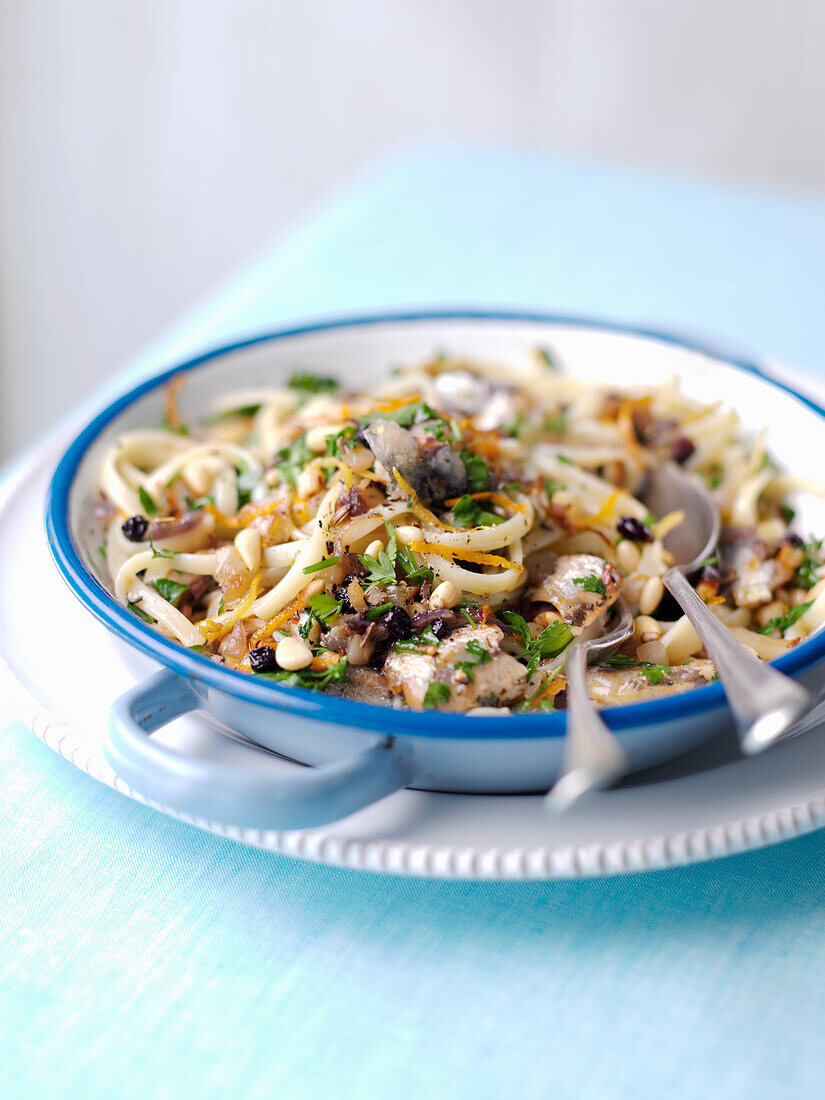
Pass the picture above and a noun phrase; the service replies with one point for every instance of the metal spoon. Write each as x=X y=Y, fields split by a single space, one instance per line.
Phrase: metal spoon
x=764 y=702
x=593 y=757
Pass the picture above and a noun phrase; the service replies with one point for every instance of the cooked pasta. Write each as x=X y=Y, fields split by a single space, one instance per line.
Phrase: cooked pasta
x=442 y=541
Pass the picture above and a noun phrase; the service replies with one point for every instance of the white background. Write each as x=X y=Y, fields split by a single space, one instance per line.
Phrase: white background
x=146 y=146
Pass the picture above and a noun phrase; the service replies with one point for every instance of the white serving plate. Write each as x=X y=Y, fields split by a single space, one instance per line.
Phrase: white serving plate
x=708 y=805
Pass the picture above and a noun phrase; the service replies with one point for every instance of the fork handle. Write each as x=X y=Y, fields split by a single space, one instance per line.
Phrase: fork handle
x=764 y=702
x=593 y=757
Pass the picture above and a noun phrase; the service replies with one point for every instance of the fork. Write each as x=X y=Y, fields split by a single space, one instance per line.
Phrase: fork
x=593 y=757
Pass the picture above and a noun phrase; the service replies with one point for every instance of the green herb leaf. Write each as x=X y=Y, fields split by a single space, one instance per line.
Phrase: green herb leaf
x=567 y=461
x=141 y=614
x=147 y=504
x=437 y=692
x=556 y=423
x=222 y=606
x=315 y=681
x=652 y=673
x=551 y=487
x=292 y=459
x=163 y=553
x=382 y=568
x=712 y=560
x=102 y=551
x=414 y=573
x=195 y=504
x=379 y=610
x=418 y=412
x=782 y=622
x=308 y=384
x=467 y=512
x=787 y=513
x=517 y=623
x=549 y=359
x=341 y=441
x=806 y=575
x=197 y=648
x=325 y=563
x=478 y=472
x=169 y=589
x=591 y=584
x=478 y=655
x=325 y=608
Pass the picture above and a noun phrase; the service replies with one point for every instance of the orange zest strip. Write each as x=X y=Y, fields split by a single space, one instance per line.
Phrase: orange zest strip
x=322 y=661
x=171 y=398
x=474 y=556
x=551 y=688
x=212 y=629
x=603 y=513
x=289 y=612
x=393 y=404
x=416 y=507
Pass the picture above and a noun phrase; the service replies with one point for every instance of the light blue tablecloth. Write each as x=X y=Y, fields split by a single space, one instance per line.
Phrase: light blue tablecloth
x=141 y=958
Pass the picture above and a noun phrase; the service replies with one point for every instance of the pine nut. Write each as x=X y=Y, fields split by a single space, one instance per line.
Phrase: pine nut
x=359 y=459
x=647 y=629
x=445 y=594
x=654 y=652
x=627 y=555
x=308 y=482
x=293 y=654
x=408 y=533
x=562 y=499
x=544 y=618
x=651 y=595
x=199 y=477
x=316 y=438
x=374 y=548
x=248 y=545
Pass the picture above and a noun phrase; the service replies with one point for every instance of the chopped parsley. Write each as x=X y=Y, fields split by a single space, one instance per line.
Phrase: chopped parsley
x=418 y=412
x=426 y=637
x=147 y=504
x=309 y=384
x=199 y=648
x=169 y=589
x=654 y=674
x=222 y=606
x=436 y=693
x=787 y=513
x=591 y=584
x=325 y=563
x=315 y=681
x=712 y=560
x=782 y=622
x=548 y=359
x=230 y=414
x=556 y=423
x=552 y=641
x=163 y=553
x=477 y=655
x=292 y=459
x=102 y=551
x=806 y=575
x=467 y=512
x=551 y=487
x=567 y=461
x=381 y=570
x=324 y=608
x=415 y=574
x=478 y=472
x=196 y=503
x=141 y=614
x=340 y=441
x=377 y=611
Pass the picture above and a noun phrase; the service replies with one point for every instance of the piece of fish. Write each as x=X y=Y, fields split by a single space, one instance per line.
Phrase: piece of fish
x=757 y=575
x=581 y=587
x=432 y=468
x=612 y=687
x=466 y=394
x=499 y=680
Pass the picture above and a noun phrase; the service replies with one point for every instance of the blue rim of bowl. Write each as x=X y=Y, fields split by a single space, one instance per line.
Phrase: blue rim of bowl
x=335 y=709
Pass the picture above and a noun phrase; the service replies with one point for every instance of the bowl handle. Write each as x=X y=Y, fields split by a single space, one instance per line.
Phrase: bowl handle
x=231 y=793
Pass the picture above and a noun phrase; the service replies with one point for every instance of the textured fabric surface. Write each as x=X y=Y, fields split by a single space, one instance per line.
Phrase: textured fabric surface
x=140 y=957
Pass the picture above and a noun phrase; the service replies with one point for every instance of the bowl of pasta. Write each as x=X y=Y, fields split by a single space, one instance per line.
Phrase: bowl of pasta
x=368 y=545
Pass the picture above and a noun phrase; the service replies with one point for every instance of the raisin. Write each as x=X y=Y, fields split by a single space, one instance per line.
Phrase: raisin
x=397 y=623
x=633 y=529
x=683 y=448
x=339 y=591
x=135 y=528
x=262 y=659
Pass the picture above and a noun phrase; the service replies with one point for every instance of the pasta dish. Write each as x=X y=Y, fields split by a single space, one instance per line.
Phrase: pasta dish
x=442 y=541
